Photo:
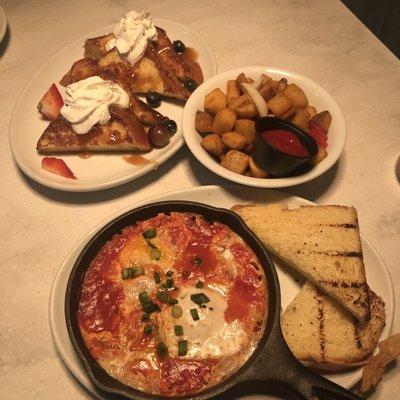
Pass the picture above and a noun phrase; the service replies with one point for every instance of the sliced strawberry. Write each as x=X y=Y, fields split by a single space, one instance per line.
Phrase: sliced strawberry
x=57 y=166
x=51 y=103
x=318 y=133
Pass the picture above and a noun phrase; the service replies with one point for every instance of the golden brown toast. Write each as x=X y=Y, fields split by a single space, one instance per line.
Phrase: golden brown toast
x=123 y=132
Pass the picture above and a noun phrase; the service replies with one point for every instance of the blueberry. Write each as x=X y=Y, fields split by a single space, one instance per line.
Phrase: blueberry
x=179 y=46
x=190 y=85
x=153 y=99
x=170 y=126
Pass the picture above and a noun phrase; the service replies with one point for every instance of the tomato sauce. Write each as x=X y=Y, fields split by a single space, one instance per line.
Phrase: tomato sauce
x=285 y=141
x=183 y=376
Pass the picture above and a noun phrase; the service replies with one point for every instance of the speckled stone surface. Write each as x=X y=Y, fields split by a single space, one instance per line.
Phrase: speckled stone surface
x=39 y=226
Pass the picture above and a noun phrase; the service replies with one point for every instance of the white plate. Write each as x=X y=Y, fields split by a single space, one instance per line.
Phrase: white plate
x=101 y=170
x=317 y=96
x=3 y=23
x=377 y=274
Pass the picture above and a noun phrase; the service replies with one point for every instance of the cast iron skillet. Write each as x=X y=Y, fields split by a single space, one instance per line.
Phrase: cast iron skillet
x=271 y=361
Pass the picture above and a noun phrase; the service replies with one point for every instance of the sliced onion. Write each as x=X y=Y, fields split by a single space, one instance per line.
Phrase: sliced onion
x=257 y=84
x=258 y=100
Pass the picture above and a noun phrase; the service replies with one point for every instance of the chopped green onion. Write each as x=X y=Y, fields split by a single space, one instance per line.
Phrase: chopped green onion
x=182 y=348
x=155 y=254
x=202 y=306
x=145 y=317
x=132 y=272
x=150 y=233
x=162 y=296
x=147 y=305
x=199 y=284
x=157 y=277
x=169 y=273
x=177 y=311
x=170 y=283
x=162 y=350
x=144 y=297
x=199 y=298
x=197 y=261
x=147 y=329
x=178 y=329
x=211 y=308
x=172 y=302
x=195 y=314
x=153 y=246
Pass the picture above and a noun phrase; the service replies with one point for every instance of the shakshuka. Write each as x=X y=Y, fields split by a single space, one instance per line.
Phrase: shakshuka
x=173 y=305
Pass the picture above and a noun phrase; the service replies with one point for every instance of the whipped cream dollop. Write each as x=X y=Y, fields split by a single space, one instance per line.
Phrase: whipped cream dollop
x=86 y=103
x=132 y=34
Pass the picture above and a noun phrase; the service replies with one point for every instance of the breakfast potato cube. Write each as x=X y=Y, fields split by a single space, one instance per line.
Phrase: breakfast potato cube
x=242 y=78
x=256 y=171
x=323 y=119
x=232 y=90
x=311 y=110
x=267 y=92
x=214 y=101
x=249 y=148
x=322 y=153
x=236 y=161
x=282 y=83
x=296 y=96
x=247 y=110
x=235 y=102
x=301 y=118
x=279 y=104
x=213 y=144
x=247 y=128
x=224 y=121
x=234 y=140
x=268 y=82
x=203 y=122
x=288 y=115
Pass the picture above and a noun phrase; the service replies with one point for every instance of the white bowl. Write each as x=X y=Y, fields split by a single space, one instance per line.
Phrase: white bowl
x=317 y=96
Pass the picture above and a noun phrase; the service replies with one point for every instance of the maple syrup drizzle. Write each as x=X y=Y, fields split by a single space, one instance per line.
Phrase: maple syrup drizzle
x=190 y=54
x=136 y=159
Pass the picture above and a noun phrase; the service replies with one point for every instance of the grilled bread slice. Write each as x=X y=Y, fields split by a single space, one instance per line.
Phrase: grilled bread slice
x=320 y=332
x=123 y=132
x=321 y=242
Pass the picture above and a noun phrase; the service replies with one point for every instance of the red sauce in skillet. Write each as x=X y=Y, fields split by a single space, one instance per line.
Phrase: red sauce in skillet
x=285 y=141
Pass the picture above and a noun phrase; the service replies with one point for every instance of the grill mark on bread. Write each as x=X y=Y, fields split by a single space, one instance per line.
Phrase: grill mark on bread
x=320 y=303
x=347 y=226
x=333 y=253
x=357 y=333
x=343 y=284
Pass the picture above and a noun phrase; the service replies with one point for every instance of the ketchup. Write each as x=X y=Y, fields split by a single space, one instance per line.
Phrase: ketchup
x=285 y=141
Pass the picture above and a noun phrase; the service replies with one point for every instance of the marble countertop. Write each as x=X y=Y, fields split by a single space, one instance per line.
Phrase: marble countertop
x=39 y=226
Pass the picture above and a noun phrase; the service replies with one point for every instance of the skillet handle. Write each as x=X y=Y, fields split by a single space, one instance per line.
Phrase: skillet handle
x=285 y=369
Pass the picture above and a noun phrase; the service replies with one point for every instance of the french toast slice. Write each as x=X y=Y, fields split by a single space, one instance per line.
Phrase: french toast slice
x=320 y=332
x=123 y=132
x=116 y=72
x=321 y=242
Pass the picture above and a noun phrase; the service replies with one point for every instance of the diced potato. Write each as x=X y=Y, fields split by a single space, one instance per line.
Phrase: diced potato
x=232 y=90
x=296 y=96
x=256 y=171
x=247 y=128
x=247 y=110
x=236 y=161
x=322 y=153
x=234 y=140
x=311 y=110
x=213 y=144
x=279 y=104
x=224 y=121
x=301 y=118
x=214 y=101
x=243 y=78
x=323 y=118
x=282 y=83
x=267 y=92
x=203 y=122
x=235 y=102
x=289 y=113
x=267 y=82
